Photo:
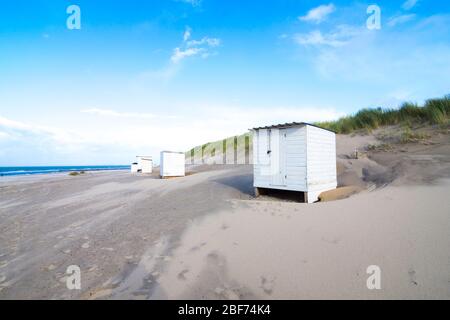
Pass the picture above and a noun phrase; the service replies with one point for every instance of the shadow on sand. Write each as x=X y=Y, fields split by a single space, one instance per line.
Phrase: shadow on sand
x=242 y=183
x=282 y=195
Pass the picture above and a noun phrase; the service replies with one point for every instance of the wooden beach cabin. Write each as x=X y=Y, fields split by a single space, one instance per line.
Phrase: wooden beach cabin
x=144 y=164
x=296 y=157
x=172 y=164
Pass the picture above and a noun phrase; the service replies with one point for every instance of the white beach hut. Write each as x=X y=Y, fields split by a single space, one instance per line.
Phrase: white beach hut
x=143 y=164
x=172 y=164
x=134 y=167
x=294 y=156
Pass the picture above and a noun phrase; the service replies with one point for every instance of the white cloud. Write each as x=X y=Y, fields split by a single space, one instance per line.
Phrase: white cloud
x=212 y=42
x=319 y=14
x=179 y=54
x=189 y=48
x=339 y=37
x=112 y=113
x=400 y=19
x=4 y=135
x=409 y=4
x=194 y=3
x=16 y=130
x=387 y=60
x=187 y=34
x=7 y=123
x=316 y=38
x=192 y=48
x=112 y=141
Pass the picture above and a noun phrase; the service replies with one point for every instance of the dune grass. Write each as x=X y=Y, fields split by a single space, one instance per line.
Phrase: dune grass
x=222 y=145
x=435 y=111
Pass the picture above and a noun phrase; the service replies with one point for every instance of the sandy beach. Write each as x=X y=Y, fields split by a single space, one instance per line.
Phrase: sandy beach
x=205 y=236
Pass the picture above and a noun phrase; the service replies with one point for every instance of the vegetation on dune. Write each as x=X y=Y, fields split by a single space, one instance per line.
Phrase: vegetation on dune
x=222 y=145
x=435 y=111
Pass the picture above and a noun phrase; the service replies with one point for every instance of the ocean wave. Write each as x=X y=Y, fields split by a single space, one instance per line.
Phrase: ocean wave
x=11 y=171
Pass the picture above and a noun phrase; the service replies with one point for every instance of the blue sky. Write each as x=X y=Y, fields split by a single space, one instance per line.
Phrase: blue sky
x=140 y=77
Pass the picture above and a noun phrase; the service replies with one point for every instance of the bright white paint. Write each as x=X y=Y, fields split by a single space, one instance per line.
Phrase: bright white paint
x=144 y=164
x=172 y=164
x=134 y=167
x=298 y=158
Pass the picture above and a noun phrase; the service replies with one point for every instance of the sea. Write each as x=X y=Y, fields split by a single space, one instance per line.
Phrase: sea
x=18 y=171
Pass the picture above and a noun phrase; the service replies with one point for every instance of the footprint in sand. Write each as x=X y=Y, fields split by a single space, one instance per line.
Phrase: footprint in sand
x=182 y=274
x=100 y=294
x=412 y=276
x=267 y=284
x=195 y=248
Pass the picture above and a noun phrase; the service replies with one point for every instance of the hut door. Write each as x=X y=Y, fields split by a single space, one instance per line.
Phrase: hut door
x=279 y=160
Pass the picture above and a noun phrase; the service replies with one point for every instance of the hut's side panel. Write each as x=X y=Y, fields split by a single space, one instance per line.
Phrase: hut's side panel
x=321 y=161
x=172 y=164
x=295 y=158
x=147 y=165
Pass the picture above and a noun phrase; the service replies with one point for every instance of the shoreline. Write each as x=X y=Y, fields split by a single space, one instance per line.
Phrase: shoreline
x=41 y=176
x=19 y=170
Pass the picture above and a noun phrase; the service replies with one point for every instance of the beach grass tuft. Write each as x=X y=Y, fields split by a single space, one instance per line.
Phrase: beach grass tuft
x=434 y=111
x=76 y=173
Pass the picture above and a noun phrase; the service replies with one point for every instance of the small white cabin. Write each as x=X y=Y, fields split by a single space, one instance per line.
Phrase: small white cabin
x=144 y=164
x=172 y=164
x=294 y=156
x=134 y=167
